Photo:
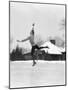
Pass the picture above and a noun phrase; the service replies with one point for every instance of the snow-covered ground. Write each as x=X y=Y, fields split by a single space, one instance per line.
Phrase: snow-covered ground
x=52 y=49
x=44 y=73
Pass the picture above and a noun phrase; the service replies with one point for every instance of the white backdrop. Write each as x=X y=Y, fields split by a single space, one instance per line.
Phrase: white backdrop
x=4 y=47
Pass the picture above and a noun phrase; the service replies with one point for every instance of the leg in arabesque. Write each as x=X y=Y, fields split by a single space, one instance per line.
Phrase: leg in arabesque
x=37 y=47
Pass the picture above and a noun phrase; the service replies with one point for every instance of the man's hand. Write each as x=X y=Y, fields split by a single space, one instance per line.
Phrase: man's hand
x=23 y=40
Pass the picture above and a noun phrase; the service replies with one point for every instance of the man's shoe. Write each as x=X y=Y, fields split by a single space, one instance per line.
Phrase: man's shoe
x=34 y=64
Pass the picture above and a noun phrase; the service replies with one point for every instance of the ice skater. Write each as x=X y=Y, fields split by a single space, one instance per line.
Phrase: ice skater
x=32 y=42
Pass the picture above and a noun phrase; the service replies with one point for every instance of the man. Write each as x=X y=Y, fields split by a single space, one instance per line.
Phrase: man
x=32 y=42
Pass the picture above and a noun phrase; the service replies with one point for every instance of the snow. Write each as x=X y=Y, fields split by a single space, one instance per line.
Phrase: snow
x=44 y=73
x=52 y=49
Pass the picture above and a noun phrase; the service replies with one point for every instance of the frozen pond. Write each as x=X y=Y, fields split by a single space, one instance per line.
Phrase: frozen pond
x=44 y=73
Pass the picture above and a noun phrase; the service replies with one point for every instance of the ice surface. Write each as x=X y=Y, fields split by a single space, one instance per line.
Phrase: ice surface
x=44 y=73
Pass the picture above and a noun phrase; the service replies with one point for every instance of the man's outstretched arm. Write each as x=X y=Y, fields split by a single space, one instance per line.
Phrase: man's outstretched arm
x=23 y=40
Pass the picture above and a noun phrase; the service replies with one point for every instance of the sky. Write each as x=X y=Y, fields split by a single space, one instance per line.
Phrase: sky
x=47 y=19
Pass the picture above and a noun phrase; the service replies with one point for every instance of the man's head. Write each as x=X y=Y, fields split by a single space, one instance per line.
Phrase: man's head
x=32 y=31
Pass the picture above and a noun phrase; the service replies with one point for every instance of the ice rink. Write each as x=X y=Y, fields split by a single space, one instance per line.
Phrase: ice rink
x=44 y=73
